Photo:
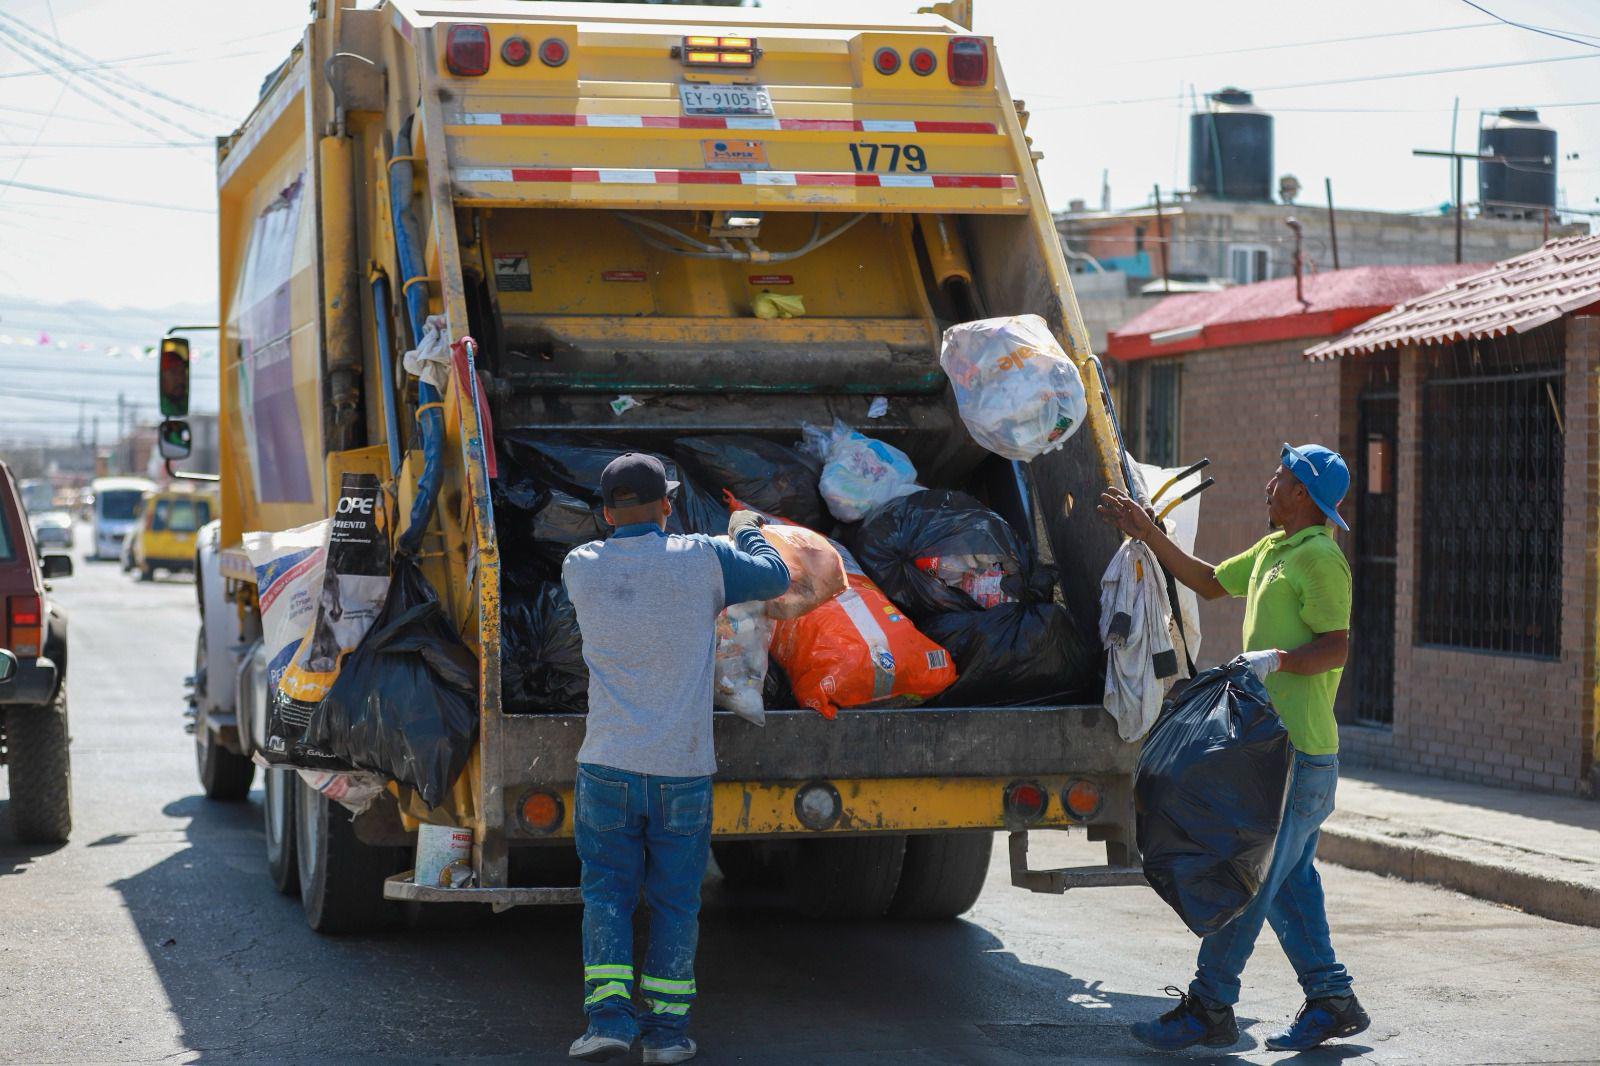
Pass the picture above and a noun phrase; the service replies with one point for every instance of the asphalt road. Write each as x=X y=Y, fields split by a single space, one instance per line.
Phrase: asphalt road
x=155 y=935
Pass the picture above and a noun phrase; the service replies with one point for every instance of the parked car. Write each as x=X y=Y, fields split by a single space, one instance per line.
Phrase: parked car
x=33 y=702
x=163 y=537
x=52 y=529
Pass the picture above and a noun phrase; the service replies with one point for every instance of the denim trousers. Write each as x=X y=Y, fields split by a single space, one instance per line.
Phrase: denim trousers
x=636 y=831
x=1290 y=899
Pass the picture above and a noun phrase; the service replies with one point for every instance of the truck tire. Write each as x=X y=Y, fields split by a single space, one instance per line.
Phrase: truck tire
x=846 y=877
x=224 y=775
x=942 y=875
x=749 y=864
x=277 y=807
x=341 y=879
x=41 y=772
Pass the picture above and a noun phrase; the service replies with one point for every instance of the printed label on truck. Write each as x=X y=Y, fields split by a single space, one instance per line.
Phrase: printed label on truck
x=723 y=154
x=511 y=272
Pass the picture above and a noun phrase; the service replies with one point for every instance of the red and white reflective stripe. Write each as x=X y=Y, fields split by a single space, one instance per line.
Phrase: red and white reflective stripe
x=606 y=176
x=715 y=122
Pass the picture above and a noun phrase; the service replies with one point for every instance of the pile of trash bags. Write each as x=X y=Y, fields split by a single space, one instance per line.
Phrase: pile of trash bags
x=1209 y=793
x=927 y=596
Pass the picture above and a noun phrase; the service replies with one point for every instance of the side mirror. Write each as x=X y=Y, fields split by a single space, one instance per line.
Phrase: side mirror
x=174 y=439
x=8 y=666
x=56 y=565
x=174 y=378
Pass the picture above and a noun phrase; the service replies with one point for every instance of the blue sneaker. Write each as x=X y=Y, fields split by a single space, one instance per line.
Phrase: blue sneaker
x=1320 y=1020
x=1191 y=1022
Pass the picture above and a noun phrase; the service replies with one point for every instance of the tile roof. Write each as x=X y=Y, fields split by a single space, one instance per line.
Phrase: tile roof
x=1513 y=296
x=1268 y=310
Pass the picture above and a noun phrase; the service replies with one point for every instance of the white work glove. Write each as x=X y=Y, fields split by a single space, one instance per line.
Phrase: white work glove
x=1261 y=663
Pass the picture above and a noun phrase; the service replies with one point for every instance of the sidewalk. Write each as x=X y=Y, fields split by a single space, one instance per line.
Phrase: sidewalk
x=1527 y=849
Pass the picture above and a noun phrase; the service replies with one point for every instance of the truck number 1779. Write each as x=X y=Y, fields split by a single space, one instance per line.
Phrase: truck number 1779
x=867 y=157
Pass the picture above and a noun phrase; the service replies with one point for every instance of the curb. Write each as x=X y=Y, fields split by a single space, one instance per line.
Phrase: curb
x=1545 y=895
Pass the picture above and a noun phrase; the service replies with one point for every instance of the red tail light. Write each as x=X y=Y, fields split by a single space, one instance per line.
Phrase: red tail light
x=26 y=615
x=466 y=50
x=886 y=60
x=553 y=52
x=1025 y=801
x=968 y=60
x=516 y=51
x=924 y=62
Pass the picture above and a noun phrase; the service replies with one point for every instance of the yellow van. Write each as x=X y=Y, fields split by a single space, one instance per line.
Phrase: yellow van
x=164 y=537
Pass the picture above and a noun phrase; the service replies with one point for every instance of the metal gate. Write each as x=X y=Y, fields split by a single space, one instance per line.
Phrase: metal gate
x=1372 y=622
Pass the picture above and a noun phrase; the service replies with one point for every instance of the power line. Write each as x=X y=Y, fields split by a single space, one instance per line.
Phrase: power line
x=1311 y=43
x=1524 y=26
x=107 y=199
x=1336 y=81
x=24 y=48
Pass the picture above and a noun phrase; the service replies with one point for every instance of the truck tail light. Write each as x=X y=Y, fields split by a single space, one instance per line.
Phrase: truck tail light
x=924 y=62
x=553 y=52
x=718 y=51
x=1025 y=801
x=26 y=617
x=515 y=51
x=1081 y=799
x=541 y=812
x=466 y=50
x=886 y=61
x=968 y=61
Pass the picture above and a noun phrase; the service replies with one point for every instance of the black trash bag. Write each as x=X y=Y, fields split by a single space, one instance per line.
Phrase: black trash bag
x=936 y=551
x=406 y=703
x=1014 y=654
x=1209 y=793
x=541 y=653
x=542 y=523
x=760 y=473
x=574 y=464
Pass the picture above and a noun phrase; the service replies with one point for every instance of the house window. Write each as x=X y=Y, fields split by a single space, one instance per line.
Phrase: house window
x=1249 y=263
x=1150 y=409
x=1491 y=466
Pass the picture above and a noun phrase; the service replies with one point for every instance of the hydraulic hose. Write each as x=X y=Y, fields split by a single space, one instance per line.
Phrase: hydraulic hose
x=391 y=408
x=430 y=414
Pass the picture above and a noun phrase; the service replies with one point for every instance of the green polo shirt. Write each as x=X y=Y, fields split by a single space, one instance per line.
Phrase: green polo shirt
x=1295 y=589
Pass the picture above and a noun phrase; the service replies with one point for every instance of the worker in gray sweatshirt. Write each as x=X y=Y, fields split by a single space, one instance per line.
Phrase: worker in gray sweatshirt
x=647 y=605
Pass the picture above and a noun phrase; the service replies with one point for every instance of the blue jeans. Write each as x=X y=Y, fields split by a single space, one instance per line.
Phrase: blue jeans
x=1290 y=899
x=640 y=832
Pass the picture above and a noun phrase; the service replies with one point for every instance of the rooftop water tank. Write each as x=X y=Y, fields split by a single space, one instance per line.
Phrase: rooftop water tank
x=1230 y=149
x=1525 y=184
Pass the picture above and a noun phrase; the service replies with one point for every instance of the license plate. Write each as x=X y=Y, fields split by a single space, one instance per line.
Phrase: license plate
x=725 y=100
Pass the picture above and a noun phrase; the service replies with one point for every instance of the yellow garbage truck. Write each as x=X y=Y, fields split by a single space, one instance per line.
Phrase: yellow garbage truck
x=593 y=199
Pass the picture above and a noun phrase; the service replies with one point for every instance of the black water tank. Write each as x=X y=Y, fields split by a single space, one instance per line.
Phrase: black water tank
x=1526 y=182
x=1234 y=134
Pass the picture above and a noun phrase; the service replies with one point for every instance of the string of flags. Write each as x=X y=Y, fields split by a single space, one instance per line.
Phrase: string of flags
x=136 y=352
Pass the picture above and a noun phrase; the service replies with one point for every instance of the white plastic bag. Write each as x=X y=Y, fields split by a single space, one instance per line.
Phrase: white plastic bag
x=1017 y=391
x=858 y=472
x=743 y=633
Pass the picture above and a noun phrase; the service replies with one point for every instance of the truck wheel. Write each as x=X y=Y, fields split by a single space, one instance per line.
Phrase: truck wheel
x=341 y=879
x=223 y=775
x=846 y=877
x=942 y=874
x=41 y=772
x=278 y=810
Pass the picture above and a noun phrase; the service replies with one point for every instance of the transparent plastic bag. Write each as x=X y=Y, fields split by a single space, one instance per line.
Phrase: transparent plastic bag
x=743 y=633
x=1018 y=392
x=858 y=472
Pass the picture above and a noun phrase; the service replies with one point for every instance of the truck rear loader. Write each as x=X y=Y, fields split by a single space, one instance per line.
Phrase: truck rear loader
x=593 y=196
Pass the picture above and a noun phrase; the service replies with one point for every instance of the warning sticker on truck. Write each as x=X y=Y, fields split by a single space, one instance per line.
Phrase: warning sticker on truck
x=734 y=155
x=511 y=272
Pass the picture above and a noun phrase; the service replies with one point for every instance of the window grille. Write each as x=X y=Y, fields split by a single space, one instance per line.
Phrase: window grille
x=1492 y=463
x=1151 y=408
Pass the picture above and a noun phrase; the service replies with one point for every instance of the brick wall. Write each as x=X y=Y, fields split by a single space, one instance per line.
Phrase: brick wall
x=1239 y=406
x=1493 y=718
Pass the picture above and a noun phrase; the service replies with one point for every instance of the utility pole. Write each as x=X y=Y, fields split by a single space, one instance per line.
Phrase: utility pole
x=1456 y=159
x=1161 y=239
x=1333 y=227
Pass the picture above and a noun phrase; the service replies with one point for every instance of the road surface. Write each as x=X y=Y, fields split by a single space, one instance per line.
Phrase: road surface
x=155 y=936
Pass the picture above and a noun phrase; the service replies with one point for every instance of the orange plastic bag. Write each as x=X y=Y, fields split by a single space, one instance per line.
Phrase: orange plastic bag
x=858 y=649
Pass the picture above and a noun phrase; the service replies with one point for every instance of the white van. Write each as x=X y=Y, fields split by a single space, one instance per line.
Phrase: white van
x=116 y=512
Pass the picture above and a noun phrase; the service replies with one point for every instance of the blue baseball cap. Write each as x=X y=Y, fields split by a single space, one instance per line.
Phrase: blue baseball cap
x=1323 y=473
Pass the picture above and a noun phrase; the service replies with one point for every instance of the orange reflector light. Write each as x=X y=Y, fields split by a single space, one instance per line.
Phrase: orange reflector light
x=1081 y=799
x=708 y=58
x=541 y=812
x=700 y=42
x=1025 y=800
x=736 y=59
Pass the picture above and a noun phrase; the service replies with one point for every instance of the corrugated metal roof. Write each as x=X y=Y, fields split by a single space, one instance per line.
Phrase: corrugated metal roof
x=1269 y=310
x=1512 y=296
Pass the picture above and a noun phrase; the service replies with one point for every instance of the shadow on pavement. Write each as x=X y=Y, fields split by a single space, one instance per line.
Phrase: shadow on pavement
x=246 y=977
x=14 y=854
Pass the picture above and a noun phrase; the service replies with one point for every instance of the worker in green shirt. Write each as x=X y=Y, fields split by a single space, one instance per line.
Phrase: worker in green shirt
x=1296 y=585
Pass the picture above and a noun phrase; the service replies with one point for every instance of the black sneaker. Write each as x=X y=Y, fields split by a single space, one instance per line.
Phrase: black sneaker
x=1320 y=1020
x=1191 y=1022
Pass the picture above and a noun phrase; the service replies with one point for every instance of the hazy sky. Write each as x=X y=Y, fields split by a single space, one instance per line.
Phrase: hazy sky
x=1108 y=84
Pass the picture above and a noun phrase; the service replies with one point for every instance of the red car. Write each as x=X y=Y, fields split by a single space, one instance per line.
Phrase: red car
x=33 y=701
